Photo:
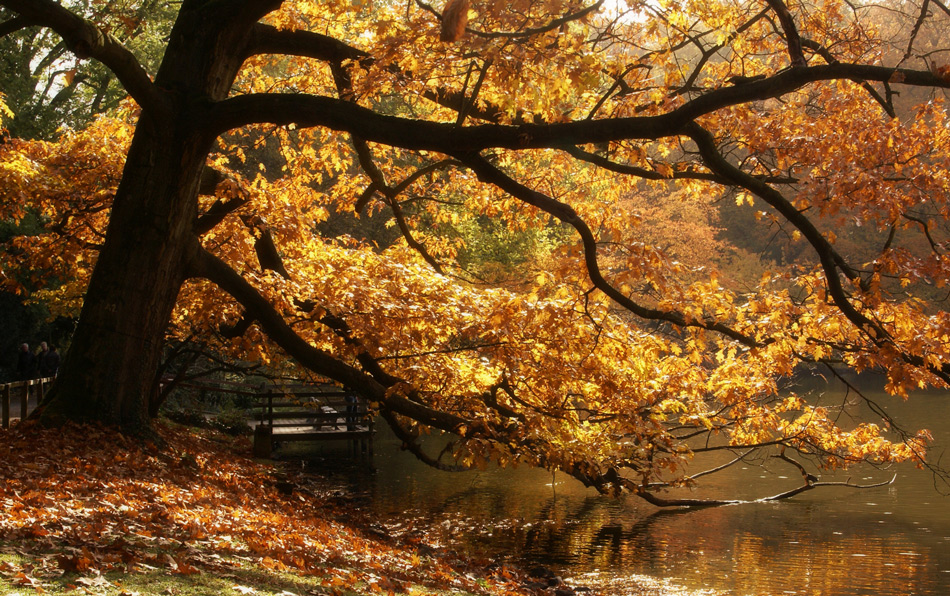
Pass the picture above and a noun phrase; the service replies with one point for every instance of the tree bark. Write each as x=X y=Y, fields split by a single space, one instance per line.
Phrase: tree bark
x=110 y=372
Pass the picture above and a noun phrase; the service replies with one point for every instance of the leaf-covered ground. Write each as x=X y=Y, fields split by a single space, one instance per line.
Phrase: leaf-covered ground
x=86 y=510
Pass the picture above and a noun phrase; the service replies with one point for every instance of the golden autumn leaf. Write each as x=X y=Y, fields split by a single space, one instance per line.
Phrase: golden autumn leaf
x=454 y=19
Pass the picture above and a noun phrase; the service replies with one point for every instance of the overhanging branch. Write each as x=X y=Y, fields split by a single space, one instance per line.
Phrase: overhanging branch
x=829 y=258
x=207 y=266
x=654 y=499
x=365 y=155
x=492 y=175
x=336 y=114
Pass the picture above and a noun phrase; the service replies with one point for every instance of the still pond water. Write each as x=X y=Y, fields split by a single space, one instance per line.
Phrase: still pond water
x=891 y=540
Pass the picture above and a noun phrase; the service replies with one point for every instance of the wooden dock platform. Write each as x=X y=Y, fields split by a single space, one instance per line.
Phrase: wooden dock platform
x=311 y=413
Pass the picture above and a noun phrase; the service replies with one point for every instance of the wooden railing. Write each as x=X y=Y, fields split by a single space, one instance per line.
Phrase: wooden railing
x=282 y=413
x=23 y=390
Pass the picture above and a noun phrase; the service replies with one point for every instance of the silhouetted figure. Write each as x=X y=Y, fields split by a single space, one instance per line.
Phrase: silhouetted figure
x=49 y=362
x=40 y=356
x=25 y=364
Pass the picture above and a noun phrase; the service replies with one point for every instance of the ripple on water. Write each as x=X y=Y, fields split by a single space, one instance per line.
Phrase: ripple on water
x=634 y=585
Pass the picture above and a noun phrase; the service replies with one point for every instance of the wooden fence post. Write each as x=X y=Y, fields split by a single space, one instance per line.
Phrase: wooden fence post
x=263 y=441
x=264 y=431
x=24 y=400
x=6 y=406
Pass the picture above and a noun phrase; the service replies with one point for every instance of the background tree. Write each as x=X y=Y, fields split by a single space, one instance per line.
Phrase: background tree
x=615 y=363
x=48 y=87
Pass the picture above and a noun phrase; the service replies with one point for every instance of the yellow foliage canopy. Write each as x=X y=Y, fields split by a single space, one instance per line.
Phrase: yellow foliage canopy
x=552 y=283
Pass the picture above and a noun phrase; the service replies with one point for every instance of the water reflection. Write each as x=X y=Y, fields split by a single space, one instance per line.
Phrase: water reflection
x=836 y=542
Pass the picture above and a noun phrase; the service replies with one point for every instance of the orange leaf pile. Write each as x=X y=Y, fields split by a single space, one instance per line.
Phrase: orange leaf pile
x=89 y=500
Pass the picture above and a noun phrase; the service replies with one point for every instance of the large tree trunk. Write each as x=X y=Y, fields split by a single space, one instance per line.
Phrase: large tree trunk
x=110 y=371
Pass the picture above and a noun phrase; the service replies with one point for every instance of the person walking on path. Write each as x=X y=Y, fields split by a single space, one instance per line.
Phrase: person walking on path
x=49 y=362
x=40 y=357
x=25 y=364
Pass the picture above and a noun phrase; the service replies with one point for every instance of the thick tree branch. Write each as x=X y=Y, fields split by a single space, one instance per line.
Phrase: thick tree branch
x=231 y=331
x=15 y=24
x=942 y=6
x=308 y=110
x=268 y=256
x=792 y=39
x=211 y=180
x=217 y=212
x=266 y=39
